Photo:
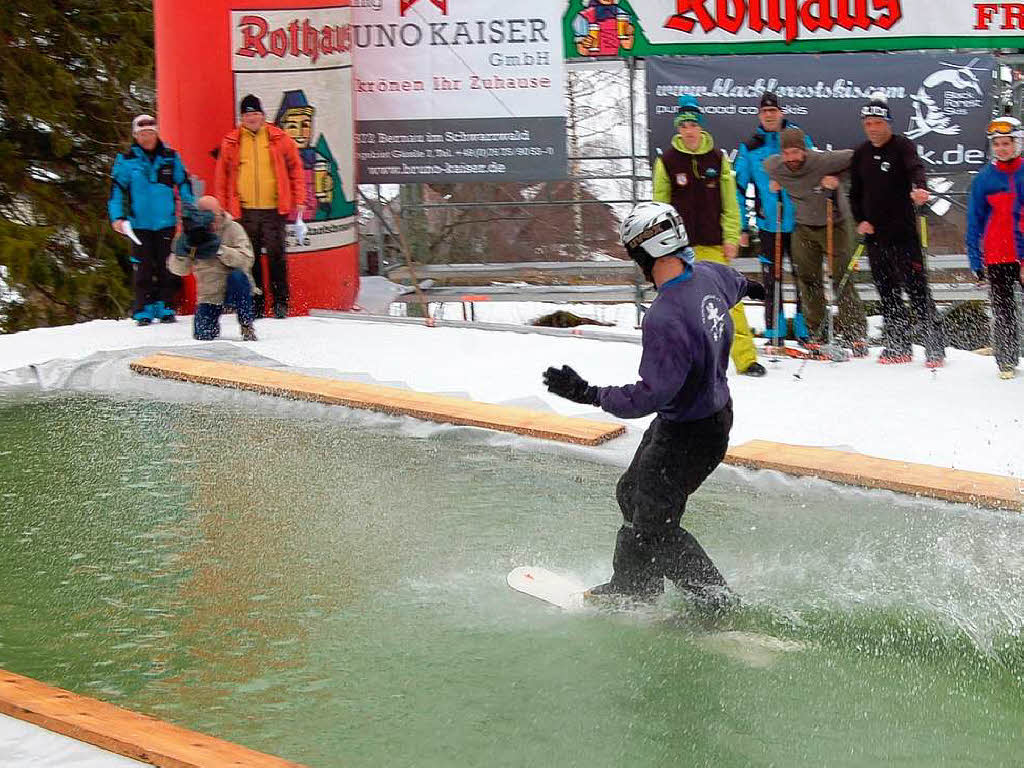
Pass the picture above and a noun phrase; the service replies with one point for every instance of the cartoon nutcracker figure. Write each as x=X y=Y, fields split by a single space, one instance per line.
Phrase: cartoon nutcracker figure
x=602 y=28
x=324 y=194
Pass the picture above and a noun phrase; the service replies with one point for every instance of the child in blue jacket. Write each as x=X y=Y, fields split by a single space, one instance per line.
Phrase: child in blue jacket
x=995 y=242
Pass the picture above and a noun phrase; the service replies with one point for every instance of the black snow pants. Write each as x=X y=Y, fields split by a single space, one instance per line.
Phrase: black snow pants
x=672 y=461
x=897 y=267
x=153 y=281
x=1005 y=330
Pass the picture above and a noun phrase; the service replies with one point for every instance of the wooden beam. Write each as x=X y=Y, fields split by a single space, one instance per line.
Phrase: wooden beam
x=399 y=402
x=850 y=468
x=118 y=730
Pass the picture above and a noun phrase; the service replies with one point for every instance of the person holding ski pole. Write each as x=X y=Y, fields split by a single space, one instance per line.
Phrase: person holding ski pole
x=687 y=333
x=809 y=177
x=773 y=211
x=887 y=182
x=696 y=178
x=995 y=240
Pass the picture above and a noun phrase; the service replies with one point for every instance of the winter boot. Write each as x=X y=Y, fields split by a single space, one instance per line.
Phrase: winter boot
x=144 y=316
x=935 y=361
x=1007 y=373
x=280 y=310
x=248 y=333
x=635 y=575
x=860 y=349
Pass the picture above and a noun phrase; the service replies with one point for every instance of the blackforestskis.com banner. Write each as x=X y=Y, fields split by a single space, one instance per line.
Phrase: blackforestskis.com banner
x=942 y=101
x=595 y=28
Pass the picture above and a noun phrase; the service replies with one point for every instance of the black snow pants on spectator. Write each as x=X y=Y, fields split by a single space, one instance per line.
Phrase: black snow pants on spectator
x=897 y=267
x=671 y=462
x=1005 y=330
x=153 y=281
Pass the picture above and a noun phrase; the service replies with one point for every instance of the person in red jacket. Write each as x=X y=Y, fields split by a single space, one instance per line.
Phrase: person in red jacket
x=995 y=242
x=259 y=180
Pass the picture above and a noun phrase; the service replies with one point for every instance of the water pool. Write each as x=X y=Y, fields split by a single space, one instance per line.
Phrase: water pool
x=335 y=595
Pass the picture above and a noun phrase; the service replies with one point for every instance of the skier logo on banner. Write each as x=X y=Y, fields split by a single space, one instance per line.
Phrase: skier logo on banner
x=324 y=191
x=603 y=28
x=934 y=104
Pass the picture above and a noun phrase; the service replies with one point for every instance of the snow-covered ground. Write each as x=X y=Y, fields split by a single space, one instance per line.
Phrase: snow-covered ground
x=25 y=744
x=961 y=416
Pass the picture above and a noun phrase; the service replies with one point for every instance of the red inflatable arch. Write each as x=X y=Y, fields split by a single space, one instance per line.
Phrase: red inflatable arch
x=295 y=55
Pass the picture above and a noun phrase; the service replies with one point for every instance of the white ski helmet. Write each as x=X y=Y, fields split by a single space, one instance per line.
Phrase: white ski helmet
x=1006 y=126
x=652 y=230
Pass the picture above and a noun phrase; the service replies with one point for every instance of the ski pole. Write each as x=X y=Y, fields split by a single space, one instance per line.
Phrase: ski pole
x=850 y=269
x=778 y=315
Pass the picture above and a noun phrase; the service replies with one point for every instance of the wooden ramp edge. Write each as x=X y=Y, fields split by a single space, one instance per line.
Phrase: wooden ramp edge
x=121 y=731
x=391 y=400
x=849 y=468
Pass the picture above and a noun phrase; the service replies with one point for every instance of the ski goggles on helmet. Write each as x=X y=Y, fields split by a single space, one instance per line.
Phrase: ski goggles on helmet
x=1003 y=126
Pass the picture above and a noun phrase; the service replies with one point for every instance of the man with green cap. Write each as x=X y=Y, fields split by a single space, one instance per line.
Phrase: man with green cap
x=696 y=179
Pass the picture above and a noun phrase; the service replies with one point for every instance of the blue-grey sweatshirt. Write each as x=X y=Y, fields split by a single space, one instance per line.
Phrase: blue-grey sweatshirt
x=687 y=333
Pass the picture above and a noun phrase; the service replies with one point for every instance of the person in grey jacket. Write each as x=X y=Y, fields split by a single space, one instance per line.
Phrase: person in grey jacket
x=215 y=248
x=810 y=177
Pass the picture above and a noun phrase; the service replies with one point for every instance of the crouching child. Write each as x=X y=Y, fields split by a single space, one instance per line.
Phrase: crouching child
x=214 y=247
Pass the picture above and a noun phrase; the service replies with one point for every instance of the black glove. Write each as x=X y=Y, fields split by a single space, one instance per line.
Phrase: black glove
x=565 y=382
x=755 y=290
x=980 y=274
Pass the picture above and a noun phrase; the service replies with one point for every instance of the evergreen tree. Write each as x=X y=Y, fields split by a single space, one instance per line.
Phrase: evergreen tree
x=72 y=75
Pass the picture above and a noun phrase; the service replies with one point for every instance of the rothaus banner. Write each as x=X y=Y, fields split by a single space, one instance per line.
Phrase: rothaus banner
x=940 y=101
x=459 y=90
x=299 y=63
x=688 y=27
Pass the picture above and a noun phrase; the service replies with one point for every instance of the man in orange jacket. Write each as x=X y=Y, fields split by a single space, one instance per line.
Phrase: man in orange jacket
x=259 y=180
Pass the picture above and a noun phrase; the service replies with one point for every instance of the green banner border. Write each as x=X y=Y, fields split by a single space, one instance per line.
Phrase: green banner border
x=644 y=47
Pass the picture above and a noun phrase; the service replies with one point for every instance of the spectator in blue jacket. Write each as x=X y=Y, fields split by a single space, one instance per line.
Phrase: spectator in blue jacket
x=142 y=197
x=749 y=169
x=995 y=238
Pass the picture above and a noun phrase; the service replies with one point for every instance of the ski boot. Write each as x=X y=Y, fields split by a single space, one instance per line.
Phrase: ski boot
x=894 y=357
x=163 y=313
x=859 y=349
x=144 y=316
x=935 y=361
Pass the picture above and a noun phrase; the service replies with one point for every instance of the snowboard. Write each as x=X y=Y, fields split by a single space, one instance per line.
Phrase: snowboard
x=561 y=591
x=748 y=648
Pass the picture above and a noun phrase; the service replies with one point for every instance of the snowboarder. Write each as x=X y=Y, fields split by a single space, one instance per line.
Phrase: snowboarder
x=995 y=242
x=687 y=334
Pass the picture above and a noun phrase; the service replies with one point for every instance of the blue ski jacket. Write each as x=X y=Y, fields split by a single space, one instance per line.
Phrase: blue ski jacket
x=995 y=215
x=142 y=187
x=749 y=167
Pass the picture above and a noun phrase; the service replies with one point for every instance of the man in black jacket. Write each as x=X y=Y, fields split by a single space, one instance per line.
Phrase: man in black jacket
x=887 y=181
